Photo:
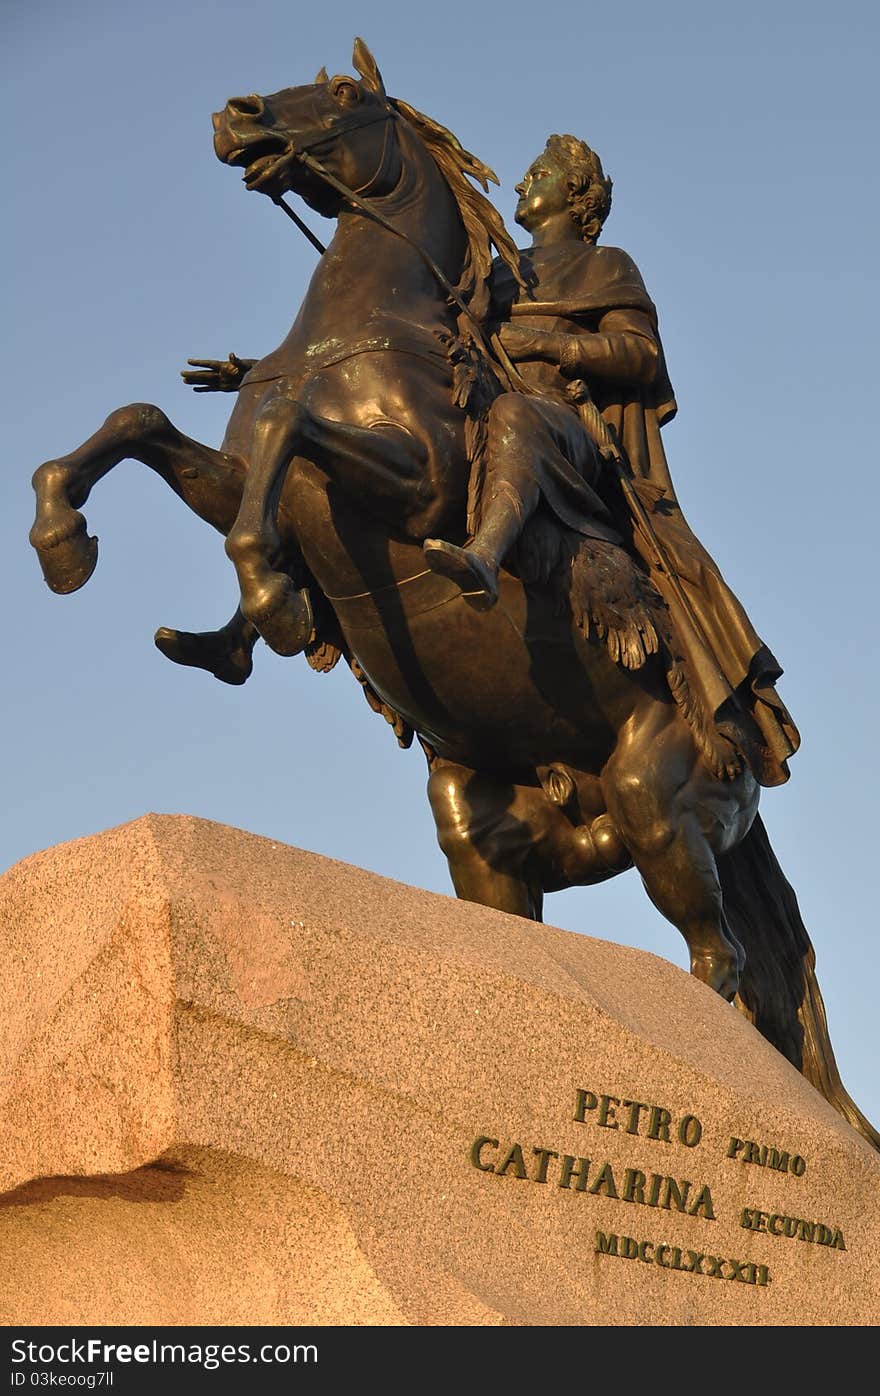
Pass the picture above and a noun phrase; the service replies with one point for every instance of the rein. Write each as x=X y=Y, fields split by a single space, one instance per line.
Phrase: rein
x=497 y=352
x=303 y=227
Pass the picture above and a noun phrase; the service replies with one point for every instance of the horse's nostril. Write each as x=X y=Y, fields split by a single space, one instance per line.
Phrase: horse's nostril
x=246 y=106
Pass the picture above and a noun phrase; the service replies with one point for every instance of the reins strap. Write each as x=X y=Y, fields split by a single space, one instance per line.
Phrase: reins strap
x=303 y=227
x=345 y=123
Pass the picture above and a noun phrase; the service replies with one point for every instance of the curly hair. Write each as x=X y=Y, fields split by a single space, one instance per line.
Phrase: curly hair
x=590 y=197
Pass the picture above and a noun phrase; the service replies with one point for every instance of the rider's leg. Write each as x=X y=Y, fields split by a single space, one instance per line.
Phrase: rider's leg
x=475 y=568
x=209 y=481
x=662 y=801
x=225 y=653
x=510 y=496
x=385 y=465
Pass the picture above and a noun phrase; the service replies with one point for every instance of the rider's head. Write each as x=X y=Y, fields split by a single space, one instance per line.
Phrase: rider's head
x=567 y=176
x=589 y=197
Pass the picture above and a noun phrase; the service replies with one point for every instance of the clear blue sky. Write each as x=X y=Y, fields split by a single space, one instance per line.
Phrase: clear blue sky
x=742 y=142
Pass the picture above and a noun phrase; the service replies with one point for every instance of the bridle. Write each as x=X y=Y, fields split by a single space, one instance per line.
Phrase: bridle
x=301 y=151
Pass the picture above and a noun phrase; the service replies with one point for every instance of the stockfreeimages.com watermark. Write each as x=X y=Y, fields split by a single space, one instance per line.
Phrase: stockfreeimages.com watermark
x=97 y=1352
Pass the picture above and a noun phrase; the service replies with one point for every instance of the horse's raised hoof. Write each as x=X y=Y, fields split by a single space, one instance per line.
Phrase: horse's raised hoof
x=474 y=577
x=68 y=556
x=720 y=970
x=213 y=650
x=282 y=615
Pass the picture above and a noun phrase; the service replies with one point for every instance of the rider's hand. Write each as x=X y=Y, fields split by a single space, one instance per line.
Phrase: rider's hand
x=529 y=344
x=217 y=376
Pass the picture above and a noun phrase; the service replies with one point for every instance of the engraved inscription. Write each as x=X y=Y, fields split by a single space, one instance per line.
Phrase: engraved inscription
x=766 y=1156
x=597 y=1180
x=648 y=1121
x=688 y=1262
x=637 y=1117
x=774 y=1224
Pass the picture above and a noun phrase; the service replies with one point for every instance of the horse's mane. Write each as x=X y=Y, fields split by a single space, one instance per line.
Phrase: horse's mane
x=483 y=224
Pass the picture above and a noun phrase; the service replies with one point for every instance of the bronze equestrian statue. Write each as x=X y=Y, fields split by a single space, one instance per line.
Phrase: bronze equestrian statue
x=451 y=474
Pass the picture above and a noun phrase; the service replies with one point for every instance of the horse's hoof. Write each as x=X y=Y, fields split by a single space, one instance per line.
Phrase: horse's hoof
x=67 y=562
x=282 y=615
x=720 y=971
x=474 y=577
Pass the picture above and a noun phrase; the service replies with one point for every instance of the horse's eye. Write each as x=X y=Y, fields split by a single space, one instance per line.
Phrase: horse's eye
x=345 y=91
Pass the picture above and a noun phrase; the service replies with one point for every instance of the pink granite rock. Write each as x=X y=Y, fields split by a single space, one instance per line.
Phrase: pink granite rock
x=240 y=1083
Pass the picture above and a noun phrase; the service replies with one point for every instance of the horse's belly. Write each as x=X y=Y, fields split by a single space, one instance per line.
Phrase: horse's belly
x=503 y=689
x=509 y=689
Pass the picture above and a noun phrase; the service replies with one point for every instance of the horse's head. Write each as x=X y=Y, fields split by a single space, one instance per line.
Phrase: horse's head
x=344 y=122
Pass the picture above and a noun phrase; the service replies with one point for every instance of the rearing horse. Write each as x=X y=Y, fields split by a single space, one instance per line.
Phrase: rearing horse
x=551 y=762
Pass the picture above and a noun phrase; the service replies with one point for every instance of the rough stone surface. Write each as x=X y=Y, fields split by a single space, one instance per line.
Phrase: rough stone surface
x=240 y=1083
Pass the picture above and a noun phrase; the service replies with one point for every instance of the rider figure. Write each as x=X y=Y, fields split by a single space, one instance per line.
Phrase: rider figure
x=585 y=315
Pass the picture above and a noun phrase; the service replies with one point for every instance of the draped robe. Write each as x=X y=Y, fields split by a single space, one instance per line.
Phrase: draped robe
x=596 y=297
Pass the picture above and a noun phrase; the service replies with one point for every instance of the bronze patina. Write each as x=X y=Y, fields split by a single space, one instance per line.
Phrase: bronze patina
x=451 y=474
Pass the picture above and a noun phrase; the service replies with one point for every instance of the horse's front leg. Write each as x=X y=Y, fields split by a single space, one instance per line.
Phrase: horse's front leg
x=209 y=481
x=383 y=466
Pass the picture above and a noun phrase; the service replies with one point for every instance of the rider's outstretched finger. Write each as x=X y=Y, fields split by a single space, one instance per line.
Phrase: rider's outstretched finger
x=197 y=380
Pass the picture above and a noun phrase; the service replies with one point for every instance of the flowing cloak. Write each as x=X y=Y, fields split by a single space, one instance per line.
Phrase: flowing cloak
x=573 y=286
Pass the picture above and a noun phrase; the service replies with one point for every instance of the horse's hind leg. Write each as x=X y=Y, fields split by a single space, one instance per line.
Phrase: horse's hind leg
x=672 y=816
x=487 y=848
x=681 y=879
x=208 y=481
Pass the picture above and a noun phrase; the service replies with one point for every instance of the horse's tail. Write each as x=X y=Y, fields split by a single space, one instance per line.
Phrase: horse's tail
x=779 y=992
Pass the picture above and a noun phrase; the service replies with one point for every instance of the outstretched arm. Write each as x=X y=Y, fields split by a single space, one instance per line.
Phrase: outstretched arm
x=217 y=375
